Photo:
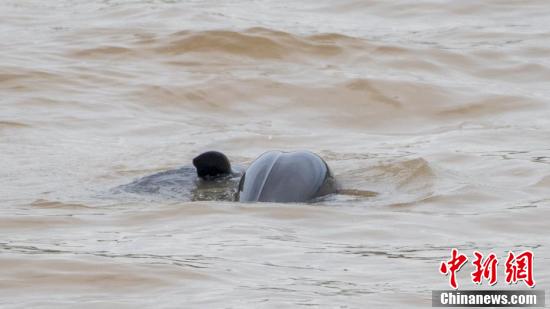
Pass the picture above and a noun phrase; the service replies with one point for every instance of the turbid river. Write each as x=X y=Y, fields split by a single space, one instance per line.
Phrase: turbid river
x=433 y=115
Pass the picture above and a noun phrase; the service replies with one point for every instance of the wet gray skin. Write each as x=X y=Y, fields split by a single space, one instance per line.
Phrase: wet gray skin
x=183 y=184
x=286 y=177
x=274 y=177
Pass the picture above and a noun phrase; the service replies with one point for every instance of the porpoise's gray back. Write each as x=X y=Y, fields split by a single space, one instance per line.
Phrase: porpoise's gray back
x=286 y=177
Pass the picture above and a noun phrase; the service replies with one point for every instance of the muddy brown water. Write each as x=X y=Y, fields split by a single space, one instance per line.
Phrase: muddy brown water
x=434 y=116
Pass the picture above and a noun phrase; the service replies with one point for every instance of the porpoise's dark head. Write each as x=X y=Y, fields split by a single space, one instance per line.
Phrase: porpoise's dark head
x=212 y=164
x=286 y=177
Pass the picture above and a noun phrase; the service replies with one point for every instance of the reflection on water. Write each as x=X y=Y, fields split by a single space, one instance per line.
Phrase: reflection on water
x=432 y=115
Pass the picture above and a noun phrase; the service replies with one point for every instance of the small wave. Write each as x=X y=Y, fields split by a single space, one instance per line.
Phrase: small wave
x=388 y=182
x=12 y=124
x=45 y=204
x=103 y=51
x=491 y=105
x=254 y=43
x=518 y=73
x=25 y=80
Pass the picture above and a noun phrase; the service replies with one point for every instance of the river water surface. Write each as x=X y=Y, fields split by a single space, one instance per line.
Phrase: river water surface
x=436 y=114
